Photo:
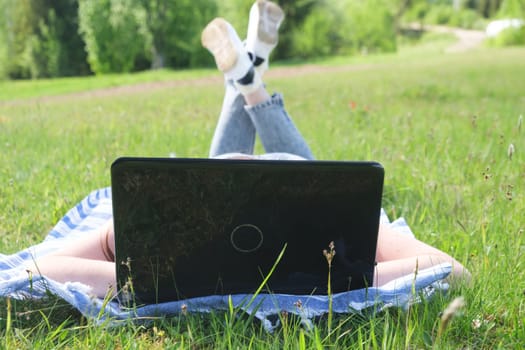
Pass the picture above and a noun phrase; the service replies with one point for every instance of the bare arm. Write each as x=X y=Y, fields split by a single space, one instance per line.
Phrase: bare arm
x=82 y=261
x=400 y=255
x=98 y=274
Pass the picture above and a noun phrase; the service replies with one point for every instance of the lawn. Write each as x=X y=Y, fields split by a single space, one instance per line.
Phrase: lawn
x=442 y=125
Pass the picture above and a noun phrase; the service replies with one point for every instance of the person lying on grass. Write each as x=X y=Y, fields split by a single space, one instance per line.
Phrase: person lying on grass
x=247 y=109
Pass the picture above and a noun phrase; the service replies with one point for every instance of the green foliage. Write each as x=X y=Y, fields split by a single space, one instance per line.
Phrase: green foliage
x=366 y=26
x=41 y=56
x=183 y=32
x=443 y=14
x=296 y=13
x=24 y=21
x=123 y=36
x=235 y=12
x=73 y=56
x=508 y=37
x=47 y=38
x=315 y=36
x=114 y=34
x=485 y=8
x=344 y=27
x=512 y=9
x=3 y=41
x=466 y=18
x=439 y=14
x=417 y=12
x=40 y=39
x=173 y=29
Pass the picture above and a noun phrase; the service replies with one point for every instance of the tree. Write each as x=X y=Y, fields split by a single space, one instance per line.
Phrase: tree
x=3 y=40
x=40 y=39
x=512 y=9
x=368 y=26
x=296 y=13
x=123 y=36
x=73 y=58
x=114 y=34
x=174 y=28
x=486 y=8
x=20 y=22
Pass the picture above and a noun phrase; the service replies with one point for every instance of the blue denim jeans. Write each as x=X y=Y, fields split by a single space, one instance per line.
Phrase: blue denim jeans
x=238 y=125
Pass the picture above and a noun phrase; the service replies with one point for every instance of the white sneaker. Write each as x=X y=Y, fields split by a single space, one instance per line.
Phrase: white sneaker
x=221 y=39
x=263 y=32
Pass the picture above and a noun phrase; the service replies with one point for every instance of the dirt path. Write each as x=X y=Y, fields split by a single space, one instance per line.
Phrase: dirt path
x=161 y=85
x=467 y=40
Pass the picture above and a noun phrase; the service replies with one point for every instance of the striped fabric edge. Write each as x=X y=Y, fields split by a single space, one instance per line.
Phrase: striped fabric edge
x=88 y=215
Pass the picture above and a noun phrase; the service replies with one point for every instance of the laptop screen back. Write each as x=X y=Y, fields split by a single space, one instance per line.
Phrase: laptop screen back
x=195 y=227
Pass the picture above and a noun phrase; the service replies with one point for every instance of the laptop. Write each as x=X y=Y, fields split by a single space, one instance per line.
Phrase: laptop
x=195 y=227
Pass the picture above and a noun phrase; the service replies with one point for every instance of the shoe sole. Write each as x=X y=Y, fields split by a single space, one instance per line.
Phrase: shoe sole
x=270 y=17
x=215 y=37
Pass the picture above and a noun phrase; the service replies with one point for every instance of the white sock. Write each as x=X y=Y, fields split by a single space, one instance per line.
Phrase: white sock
x=253 y=81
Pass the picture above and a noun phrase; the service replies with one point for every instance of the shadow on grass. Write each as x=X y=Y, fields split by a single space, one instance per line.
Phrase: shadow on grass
x=30 y=313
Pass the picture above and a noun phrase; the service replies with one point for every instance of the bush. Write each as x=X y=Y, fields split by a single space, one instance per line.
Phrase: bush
x=182 y=32
x=466 y=18
x=367 y=26
x=442 y=14
x=508 y=37
x=43 y=50
x=3 y=48
x=112 y=33
x=417 y=12
x=129 y=35
x=439 y=14
x=316 y=36
x=42 y=39
x=296 y=14
x=235 y=12
x=512 y=9
x=23 y=39
x=3 y=61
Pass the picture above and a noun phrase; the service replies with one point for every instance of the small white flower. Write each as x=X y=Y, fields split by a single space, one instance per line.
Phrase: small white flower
x=510 y=151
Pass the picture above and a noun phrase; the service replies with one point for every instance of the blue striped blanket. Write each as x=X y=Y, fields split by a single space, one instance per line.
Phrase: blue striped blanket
x=96 y=209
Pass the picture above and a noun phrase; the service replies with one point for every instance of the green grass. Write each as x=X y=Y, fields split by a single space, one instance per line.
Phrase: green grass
x=440 y=124
x=24 y=89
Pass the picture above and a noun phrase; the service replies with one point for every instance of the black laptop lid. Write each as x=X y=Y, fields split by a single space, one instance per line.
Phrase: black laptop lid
x=193 y=227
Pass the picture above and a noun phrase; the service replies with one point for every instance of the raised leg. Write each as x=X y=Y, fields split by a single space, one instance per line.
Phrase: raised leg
x=276 y=130
x=235 y=131
x=267 y=114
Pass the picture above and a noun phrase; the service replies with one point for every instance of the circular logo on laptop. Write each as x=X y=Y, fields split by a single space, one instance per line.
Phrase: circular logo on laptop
x=246 y=238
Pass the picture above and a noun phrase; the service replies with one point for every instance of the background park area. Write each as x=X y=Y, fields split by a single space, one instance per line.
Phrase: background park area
x=416 y=85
